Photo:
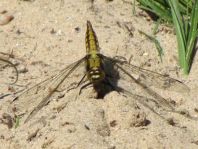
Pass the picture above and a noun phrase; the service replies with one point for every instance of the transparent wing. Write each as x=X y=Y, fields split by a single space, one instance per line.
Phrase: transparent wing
x=6 y=72
x=155 y=106
x=33 y=99
x=149 y=103
x=122 y=76
x=151 y=78
x=155 y=79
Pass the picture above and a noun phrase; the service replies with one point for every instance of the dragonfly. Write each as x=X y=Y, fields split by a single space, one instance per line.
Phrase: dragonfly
x=104 y=74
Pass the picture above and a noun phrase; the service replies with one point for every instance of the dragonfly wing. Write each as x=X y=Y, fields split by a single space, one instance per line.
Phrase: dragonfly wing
x=151 y=78
x=33 y=99
x=128 y=84
x=6 y=68
x=157 y=80
x=125 y=80
x=149 y=103
x=157 y=108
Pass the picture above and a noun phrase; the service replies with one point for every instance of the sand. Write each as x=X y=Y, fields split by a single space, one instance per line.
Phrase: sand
x=45 y=36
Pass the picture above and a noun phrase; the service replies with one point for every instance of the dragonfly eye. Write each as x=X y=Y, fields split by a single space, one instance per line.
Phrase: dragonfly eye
x=96 y=75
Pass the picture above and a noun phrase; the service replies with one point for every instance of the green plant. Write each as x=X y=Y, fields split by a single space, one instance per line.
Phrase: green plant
x=182 y=14
x=156 y=42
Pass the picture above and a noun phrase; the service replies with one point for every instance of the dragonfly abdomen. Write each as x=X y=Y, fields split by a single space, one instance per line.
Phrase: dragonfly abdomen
x=91 y=40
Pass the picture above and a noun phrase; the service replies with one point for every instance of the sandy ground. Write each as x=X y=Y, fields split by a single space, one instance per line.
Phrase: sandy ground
x=47 y=36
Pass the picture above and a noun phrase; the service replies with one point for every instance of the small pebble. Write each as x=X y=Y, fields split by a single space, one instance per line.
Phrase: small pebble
x=145 y=54
x=15 y=62
x=22 y=69
x=5 y=19
x=52 y=31
x=77 y=29
x=59 y=33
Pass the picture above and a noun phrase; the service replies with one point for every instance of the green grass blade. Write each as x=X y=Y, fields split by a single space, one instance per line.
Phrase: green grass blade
x=157 y=44
x=183 y=14
x=133 y=9
x=17 y=121
x=192 y=33
x=180 y=33
x=160 y=9
x=155 y=29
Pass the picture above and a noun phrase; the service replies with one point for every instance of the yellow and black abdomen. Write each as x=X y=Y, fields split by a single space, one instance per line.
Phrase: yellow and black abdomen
x=91 y=40
x=95 y=71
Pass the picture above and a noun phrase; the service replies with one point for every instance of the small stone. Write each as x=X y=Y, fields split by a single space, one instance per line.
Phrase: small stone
x=5 y=19
x=59 y=33
x=77 y=29
x=22 y=69
x=145 y=54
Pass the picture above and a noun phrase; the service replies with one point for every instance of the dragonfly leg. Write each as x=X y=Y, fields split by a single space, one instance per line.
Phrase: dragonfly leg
x=82 y=80
x=84 y=86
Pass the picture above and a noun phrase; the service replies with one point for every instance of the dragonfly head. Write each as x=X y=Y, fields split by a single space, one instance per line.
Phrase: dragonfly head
x=96 y=74
x=95 y=68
